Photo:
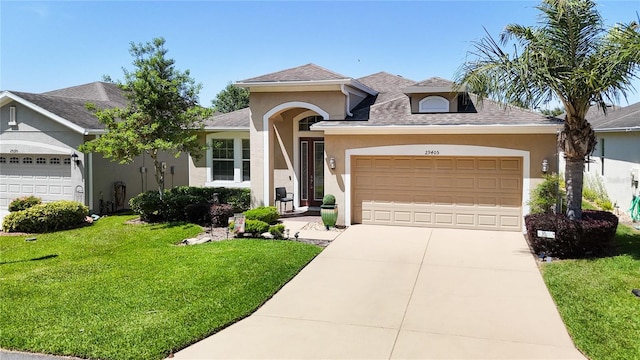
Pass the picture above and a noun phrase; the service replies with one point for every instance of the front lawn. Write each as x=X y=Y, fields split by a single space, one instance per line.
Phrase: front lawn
x=119 y=291
x=595 y=300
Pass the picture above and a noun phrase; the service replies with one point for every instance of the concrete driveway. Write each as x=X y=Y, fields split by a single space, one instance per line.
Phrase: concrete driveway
x=382 y=292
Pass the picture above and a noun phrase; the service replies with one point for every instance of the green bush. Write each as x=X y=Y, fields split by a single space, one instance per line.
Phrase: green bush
x=174 y=202
x=23 y=203
x=277 y=231
x=604 y=204
x=545 y=196
x=53 y=216
x=267 y=214
x=255 y=227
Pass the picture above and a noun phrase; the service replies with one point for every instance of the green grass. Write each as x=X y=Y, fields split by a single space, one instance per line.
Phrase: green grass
x=118 y=291
x=595 y=300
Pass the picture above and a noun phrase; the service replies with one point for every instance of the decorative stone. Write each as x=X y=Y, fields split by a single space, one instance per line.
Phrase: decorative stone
x=267 y=235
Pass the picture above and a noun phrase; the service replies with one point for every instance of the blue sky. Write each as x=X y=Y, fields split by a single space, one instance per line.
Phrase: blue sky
x=47 y=45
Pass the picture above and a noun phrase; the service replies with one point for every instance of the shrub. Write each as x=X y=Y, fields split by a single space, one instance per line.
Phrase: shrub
x=267 y=214
x=23 y=203
x=593 y=235
x=277 y=231
x=41 y=218
x=329 y=200
x=220 y=214
x=255 y=227
x=197 y=213
x=173 y=205
x=604 y=204
x=545 y=196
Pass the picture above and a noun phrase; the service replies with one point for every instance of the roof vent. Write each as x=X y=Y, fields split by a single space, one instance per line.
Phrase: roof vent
x=12 y=116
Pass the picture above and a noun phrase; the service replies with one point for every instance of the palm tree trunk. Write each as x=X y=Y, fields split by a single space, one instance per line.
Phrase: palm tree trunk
x=574 y=175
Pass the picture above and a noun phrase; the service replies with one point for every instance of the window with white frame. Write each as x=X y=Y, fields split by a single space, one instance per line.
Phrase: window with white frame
x=41 y=160
x=228 y=160
x=222 y=155
x=246 y=163
x=14 y=160
x=433 y=104
x=27 y=160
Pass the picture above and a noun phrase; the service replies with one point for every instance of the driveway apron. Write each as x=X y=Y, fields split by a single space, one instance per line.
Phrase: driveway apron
x=383 y=292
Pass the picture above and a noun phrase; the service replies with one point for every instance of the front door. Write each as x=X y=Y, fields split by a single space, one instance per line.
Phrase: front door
x=311 y=171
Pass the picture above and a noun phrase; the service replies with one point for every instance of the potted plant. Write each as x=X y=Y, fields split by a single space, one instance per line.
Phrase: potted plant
x=329 y=211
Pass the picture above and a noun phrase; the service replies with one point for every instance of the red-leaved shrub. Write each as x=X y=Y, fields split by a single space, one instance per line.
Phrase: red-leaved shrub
x=591 y=236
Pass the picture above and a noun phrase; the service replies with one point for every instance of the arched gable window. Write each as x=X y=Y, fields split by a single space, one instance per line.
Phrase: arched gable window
x=305 y=124
x=434 y=104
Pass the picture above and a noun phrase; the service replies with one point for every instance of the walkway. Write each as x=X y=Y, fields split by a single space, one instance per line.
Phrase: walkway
x=382 y=292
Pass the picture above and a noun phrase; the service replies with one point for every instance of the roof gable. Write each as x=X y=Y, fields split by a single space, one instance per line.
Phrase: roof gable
x=308 y=72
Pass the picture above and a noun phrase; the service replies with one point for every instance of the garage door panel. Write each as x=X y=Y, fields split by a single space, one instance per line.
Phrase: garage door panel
x=467 y=192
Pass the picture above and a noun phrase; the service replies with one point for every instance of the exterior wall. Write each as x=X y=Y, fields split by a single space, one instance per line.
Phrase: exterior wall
x=540 y=147
x=34 y=129
x=621 y=156
x=107 y=172
x=331 y=102
x=198 y=168
x=36 y=134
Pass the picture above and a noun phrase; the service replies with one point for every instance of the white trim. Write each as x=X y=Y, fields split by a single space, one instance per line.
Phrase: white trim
x=281 y=84
x=434 y=99
x=36 y=108
x=89 y=184
x=348 y=100
x=355 y=129
x=442 y=150
x=266 y=129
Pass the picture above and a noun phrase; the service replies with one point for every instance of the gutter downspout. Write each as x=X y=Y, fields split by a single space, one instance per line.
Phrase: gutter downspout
x=343 y=89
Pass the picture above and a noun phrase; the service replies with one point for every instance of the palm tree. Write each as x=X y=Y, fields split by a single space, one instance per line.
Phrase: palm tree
x=569 y=56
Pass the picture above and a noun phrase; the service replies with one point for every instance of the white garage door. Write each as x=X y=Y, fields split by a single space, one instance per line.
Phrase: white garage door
x=45 y=176
x=455 y=192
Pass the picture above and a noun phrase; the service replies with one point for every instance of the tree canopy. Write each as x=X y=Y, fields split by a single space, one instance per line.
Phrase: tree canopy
x=231 y=98
x=162 y=114
x=569 y=56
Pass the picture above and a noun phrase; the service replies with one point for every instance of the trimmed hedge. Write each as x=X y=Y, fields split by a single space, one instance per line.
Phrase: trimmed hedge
x=52 y=216
x=23 y=203
x=591 y=236
x=255 y=227
x=267 y=214
x=173 y=205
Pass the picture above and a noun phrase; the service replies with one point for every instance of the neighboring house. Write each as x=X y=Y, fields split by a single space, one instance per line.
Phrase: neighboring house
x=39 y=137
x=392 y=150
x=616 y=158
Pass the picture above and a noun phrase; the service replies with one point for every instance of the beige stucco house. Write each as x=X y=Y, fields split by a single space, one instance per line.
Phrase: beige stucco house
x=393 y=150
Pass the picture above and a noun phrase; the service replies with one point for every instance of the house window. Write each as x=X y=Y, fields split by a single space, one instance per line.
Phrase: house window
x=222 y=153
x=27 y=160
x=433 y=104
x=54 y=161
x=246 y=164
x=228 y=162
x=305 y=124
x=14 y=160
x=67 y=161
x=3 y=160
x=41 y=160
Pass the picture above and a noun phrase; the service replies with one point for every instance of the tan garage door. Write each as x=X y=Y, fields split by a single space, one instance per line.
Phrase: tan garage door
x=453 y=192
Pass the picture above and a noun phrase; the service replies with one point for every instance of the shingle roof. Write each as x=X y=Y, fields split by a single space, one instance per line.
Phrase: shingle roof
x=393 y=107
x=308 y=72
x=616 y=118
x=239 y=119
x=70 y=103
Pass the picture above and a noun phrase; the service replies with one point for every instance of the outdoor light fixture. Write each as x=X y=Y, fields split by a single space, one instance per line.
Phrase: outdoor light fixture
x=332 y=163
x=545 y=166
x=75 y=159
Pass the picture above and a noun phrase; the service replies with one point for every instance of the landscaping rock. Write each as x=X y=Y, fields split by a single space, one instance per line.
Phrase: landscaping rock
x=196 y=241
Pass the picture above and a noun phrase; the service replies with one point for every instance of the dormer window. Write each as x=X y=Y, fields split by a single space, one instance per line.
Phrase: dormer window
x=434 y=104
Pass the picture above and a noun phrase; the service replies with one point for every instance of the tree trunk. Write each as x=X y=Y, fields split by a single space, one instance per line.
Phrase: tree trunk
x=159 y=172
x=574 y=174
